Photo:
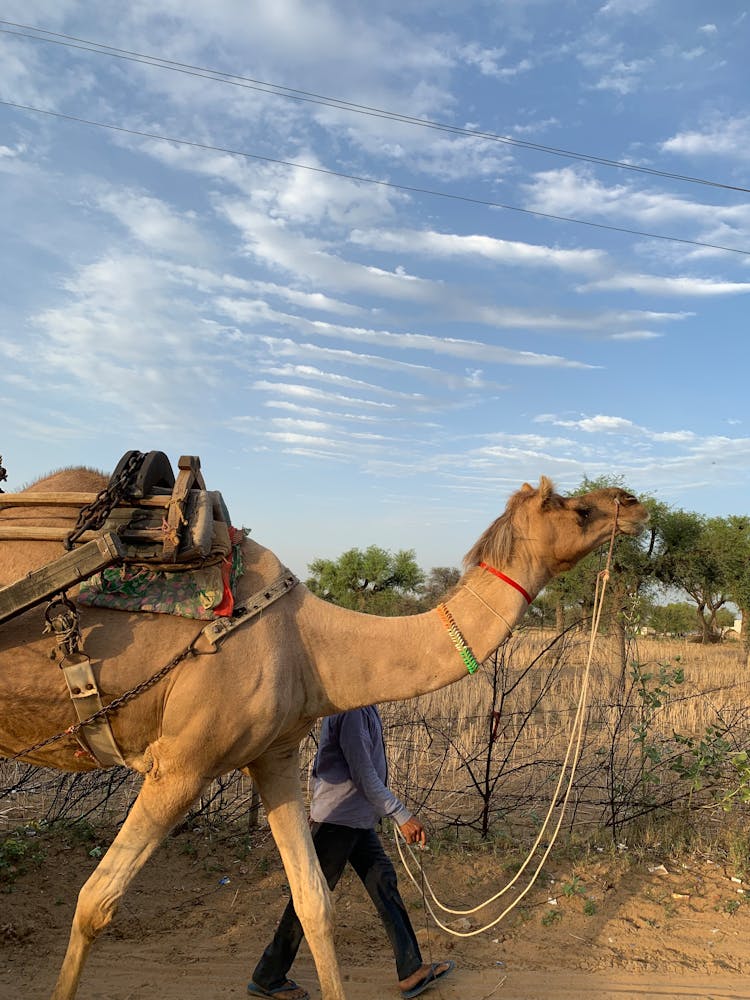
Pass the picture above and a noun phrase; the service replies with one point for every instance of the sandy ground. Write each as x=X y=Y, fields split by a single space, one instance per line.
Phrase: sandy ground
x=196 y=918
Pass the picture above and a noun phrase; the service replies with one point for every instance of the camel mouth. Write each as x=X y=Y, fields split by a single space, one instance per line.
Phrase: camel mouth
x=634 y=528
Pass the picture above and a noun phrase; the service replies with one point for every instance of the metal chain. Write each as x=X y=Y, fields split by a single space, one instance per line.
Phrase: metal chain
x=93 y=515
x=214 y=633
x=115 y=704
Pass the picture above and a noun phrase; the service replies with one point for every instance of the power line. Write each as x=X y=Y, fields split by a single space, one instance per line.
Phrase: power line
x=291 y=93
x=367 y=180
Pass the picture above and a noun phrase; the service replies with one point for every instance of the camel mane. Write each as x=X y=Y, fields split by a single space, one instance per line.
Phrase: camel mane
x=495 y=546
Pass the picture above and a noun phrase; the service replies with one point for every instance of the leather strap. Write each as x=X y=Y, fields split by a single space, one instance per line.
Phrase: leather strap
x=84 y=693
x=220 y=628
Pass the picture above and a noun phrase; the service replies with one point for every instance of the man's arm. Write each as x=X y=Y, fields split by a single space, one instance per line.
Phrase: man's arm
x=354 y=740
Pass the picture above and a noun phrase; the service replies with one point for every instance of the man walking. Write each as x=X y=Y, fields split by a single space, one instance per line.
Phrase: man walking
x=350 y=795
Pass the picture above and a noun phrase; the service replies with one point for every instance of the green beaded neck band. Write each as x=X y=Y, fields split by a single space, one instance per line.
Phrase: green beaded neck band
x=458 y=640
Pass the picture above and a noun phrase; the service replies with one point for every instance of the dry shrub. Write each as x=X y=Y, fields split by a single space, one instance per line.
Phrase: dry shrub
x=486 y=753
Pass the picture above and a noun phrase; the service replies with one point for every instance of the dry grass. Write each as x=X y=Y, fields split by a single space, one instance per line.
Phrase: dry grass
x=486 y=753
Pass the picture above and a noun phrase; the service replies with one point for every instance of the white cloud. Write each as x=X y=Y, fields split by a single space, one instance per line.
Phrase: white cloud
x=24 y=72
x=489 y=62
x=313 y=411
x=290 y=348
x=609 y=425
x=312 y=374
x=307 y=393
x=708 y=29
x=307 y=258
x=385 y=65
x=12 y=152
x=433 y=152
x=680 y=437
x=599 y=423
x=436 y=244
x=723 y=136
x=636 y=335
x=625 y=7
x=121 y=338
x=243 y=310
x=206 y=280
x=155 y=224
x=577 y=192
x=689 y=54
x=623 y=77
x=468 y=349
x=311 y=195
x=320 y=39
x=661 y=285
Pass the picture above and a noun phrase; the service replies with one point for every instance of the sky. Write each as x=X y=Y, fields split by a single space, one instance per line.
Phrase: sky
x=378 y=265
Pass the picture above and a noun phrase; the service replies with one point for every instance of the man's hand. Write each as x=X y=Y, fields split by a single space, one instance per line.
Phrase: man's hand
x=413 y=832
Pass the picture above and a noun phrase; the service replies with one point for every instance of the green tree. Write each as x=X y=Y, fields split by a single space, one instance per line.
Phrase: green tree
x=676 y=618
x=736 y=558
x=439 y=582
x=724 y=618
x=695 y=556
x=373 y=580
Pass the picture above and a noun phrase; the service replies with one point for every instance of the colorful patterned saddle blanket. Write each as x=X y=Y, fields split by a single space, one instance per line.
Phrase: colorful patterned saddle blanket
x=206 y=592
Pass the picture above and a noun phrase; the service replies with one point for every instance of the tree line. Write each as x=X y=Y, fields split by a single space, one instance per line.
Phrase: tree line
x=681 y=554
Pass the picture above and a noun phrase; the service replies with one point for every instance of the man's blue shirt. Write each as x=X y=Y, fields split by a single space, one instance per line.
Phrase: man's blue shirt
x=350 y=772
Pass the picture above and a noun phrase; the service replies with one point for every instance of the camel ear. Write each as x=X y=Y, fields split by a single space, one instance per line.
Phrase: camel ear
x=546 y=489
x=527 y=488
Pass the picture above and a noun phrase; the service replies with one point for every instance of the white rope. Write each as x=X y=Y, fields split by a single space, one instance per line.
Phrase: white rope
x=572 y=756
x=489 y=607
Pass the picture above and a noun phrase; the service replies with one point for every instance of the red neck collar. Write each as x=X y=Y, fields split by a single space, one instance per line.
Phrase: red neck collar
x=507 y=579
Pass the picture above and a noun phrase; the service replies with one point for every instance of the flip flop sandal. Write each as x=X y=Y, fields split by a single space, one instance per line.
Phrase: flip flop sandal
x=276 y=993
x=432 y=977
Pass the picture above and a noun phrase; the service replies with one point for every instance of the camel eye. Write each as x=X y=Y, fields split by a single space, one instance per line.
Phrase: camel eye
x=583 y=513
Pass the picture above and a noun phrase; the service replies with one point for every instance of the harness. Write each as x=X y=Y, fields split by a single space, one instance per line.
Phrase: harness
x=145 y=516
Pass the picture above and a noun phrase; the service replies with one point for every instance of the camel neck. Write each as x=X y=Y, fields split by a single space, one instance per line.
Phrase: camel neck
x=486 y=607
x=374 y=659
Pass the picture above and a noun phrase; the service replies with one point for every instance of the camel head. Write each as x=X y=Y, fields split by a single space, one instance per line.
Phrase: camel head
x=547 y=533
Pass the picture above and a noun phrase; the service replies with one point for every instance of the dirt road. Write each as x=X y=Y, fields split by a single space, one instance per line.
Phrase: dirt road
x=196 y=919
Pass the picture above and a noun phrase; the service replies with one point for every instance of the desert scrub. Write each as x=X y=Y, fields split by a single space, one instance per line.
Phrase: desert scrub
x=18 y=851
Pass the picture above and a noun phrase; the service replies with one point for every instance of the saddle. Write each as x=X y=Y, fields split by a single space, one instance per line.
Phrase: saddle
x=151 y=541
x=163 y=529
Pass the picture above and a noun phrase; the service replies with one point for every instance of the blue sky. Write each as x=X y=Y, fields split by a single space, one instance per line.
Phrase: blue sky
x=366 y=363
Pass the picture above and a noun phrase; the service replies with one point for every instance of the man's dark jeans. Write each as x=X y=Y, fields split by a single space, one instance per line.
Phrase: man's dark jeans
x=335 y=845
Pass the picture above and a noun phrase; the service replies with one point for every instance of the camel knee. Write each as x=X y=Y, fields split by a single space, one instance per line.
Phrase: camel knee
x=95 y=909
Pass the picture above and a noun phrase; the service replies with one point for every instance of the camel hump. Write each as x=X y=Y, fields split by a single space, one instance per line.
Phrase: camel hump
x=154 y=476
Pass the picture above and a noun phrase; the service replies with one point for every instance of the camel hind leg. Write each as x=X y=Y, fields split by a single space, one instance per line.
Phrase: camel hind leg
x=162 y=802
x=276 y=774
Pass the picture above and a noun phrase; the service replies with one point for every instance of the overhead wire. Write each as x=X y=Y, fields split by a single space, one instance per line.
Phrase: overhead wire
x=87 y=45
x=412 y=189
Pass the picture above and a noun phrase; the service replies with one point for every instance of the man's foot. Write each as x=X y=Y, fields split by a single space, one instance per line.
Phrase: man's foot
x=425 y=976
x=288 y=990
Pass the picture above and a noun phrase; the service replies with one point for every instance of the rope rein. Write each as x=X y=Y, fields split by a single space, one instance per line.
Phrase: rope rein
x=571 y=758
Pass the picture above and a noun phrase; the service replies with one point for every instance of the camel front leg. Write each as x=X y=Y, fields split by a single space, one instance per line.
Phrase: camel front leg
x=277 y=778
x=161 y=803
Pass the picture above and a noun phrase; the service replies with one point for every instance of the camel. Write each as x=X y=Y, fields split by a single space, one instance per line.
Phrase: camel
x=248 y=706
